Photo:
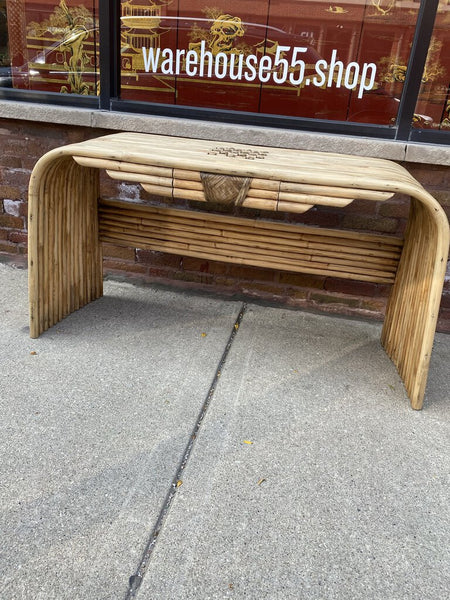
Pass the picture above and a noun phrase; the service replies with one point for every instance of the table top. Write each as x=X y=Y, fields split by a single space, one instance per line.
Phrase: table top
x=242 y=160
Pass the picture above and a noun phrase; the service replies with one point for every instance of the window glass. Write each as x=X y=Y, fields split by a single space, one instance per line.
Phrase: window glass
x=305 y=58
x=49 y=45
x=5 y=67
x=433 y=106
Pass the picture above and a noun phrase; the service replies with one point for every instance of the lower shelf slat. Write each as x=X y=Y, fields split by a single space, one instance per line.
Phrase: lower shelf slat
x=181 y=232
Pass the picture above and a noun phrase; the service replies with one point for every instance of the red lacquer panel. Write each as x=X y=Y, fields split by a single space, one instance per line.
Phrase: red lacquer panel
x=302 y=58
x=433 y=106
x=53 y=45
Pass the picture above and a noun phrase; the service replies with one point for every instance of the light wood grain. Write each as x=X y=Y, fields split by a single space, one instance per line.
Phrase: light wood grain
x=65 y=229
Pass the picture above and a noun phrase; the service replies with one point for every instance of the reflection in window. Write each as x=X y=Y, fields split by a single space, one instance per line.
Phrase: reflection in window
x=306 y=58
x=5 y=65
x=433 y=106
x=52 y=45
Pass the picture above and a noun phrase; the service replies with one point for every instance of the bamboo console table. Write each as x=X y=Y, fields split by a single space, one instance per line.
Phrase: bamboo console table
x=68 y=222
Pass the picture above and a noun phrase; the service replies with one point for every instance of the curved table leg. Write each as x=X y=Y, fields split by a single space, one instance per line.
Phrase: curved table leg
x=413 y=307
x=65 y=261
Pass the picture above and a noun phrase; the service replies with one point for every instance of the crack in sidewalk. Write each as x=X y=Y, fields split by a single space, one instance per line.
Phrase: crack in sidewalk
x=136 y=579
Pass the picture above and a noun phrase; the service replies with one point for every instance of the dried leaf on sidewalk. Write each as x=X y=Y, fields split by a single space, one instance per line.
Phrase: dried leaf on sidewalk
x=261 y=480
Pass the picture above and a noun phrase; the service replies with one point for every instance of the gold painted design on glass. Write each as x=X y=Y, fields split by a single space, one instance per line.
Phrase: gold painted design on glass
x=62 y=49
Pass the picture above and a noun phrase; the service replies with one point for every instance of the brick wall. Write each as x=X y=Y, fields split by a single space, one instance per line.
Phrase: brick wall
x=23 y=143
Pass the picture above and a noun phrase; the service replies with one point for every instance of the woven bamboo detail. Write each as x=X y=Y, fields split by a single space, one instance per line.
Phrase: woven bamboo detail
x=225 y=189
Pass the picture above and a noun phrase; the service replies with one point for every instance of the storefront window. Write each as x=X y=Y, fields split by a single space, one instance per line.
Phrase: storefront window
x=5 y=71
x=306 y=59
x=301 y=58
x=433 y=106
x=49 y=46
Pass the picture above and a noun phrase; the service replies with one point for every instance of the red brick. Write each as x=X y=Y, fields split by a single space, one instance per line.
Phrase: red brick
x=23 y=211
x=161 y=272
x=18 y=237
x=378 y=306
x=13 y=193
x=29 y=161
x=17 y=177
x=363 y=207
x=297 y=294
x=380 y=224
x=430 y=175
x=302 y=280
x=9 y=247
x=445 y=300
x=14 y=162
x=442 y=196
x=190 y=263
x=268 y=289
x=10 y=221
x=356 y=288
x=153 y=257
x=218 y=268
x=192 y=276
x=17 y=260
x=443 y=323
x=249 y=273
x=332 y=299
x=111 y=251
x=321 y=219
x=397 y=210
x=120 y=265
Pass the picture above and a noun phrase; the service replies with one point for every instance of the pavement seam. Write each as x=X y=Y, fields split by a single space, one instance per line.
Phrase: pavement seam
x=136 y=579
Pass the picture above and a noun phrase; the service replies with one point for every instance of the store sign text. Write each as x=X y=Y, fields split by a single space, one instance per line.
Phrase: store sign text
x=278 y=69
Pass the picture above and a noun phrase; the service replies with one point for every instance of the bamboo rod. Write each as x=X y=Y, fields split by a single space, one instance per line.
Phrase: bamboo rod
x=256 y=243
x=127 y=167
x=84 y=206
x=75 y=214
x=247 y=238
x=44 y=257
x=289 y=231
x=189 y=195
x=158 y=190
x=254 y=192
x=218 y=236
x=141 y=179
x=187 y=184
x=48 y=256
x=352 y=193
x=232 y=221
x=59 y=256
x=223 y=243
x=287 y=198
x=260 y=204
x=187 y=174
x=295 y=266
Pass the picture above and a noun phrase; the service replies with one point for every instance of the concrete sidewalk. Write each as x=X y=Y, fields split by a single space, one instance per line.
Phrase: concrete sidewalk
x=139 y=460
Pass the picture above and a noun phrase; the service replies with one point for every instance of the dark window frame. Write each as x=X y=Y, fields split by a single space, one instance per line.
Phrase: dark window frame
x=109 y=100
